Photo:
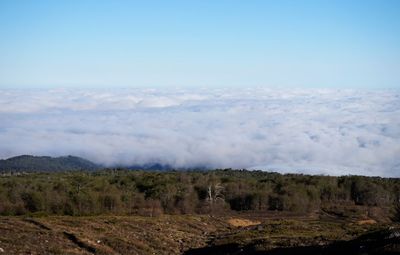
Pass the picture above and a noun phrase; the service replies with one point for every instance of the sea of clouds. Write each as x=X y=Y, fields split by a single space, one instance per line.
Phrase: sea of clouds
x=307 y=130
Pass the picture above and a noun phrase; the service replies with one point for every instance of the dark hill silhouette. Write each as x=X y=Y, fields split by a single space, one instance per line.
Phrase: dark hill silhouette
x=28 y=163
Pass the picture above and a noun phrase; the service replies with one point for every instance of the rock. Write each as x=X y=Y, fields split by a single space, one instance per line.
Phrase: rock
x=1 y=250
x=394 y=234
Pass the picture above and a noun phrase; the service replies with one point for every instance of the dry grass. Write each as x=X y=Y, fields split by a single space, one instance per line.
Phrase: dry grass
x=366 y=222
x=167 y=234
x=106 y=234
x=237 y=222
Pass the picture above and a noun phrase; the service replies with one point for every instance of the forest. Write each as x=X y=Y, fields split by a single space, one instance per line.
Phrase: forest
x=151 y=193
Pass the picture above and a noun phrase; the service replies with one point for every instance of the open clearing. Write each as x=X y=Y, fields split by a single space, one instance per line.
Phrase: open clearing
x=169 y=234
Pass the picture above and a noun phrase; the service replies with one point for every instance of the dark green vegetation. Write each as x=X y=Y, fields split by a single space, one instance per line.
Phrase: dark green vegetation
x=27 y=163
x=122 y=192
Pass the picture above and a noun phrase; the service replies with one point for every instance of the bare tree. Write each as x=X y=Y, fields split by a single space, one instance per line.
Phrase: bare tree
x=215 y=196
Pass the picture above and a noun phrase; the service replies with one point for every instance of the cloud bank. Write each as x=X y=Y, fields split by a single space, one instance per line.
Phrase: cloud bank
x=309 y=131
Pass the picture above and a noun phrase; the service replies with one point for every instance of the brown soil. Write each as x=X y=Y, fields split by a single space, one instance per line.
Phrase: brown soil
x=168 y=234
x=236 y=222
x=106 y=234
x=366 y=222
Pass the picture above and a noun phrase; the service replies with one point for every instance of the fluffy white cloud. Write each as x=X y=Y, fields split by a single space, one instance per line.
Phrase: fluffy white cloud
x=310 y=131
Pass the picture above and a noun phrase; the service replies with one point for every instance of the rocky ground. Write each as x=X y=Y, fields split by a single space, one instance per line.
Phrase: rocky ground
x=193 y=234
x=106 y=234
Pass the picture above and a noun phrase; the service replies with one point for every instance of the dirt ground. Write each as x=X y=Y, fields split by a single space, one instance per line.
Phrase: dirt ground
x=171 y=234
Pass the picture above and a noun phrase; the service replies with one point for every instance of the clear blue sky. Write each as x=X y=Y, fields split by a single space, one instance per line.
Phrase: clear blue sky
x=336 y=44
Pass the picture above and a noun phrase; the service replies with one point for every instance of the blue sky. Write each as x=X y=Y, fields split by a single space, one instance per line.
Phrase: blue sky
x=335 y=44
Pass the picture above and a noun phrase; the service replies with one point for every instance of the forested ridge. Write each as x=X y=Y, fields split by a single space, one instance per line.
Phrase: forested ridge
x=29 y=163
x=127 y=192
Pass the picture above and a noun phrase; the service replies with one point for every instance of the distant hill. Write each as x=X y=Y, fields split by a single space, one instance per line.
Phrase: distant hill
x=150 y=167
x=28 y=163
x=161 y=167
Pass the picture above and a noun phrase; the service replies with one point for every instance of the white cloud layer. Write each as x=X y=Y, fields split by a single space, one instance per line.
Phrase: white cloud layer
x=310 y=131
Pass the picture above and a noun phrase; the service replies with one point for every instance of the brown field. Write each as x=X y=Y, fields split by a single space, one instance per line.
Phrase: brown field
x=176 y=234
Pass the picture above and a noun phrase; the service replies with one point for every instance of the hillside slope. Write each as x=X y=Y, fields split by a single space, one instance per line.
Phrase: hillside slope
x=28 y=163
